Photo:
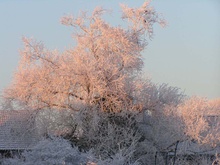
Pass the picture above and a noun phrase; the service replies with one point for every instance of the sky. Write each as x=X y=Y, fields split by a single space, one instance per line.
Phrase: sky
x=185 y=54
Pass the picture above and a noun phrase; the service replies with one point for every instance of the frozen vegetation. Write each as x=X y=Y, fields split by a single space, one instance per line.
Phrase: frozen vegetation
x=93 y=106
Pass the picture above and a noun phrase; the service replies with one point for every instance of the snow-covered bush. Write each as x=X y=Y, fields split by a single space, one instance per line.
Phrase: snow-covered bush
x=121 y=158
x=107 y=134
x=53 y=150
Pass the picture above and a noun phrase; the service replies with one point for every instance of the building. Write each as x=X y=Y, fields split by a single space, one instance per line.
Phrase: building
x=17 y=130
x=22 y=129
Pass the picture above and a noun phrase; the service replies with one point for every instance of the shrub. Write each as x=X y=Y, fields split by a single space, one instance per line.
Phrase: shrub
x=53 y=150
x=107 y=134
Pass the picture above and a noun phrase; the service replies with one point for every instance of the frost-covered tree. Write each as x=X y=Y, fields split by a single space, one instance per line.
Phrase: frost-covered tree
x=201 y=120
x=102 y=73
x=100 y=70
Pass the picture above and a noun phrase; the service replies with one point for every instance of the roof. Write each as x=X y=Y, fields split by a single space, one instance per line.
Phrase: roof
x=17 y=130
x=189 y=147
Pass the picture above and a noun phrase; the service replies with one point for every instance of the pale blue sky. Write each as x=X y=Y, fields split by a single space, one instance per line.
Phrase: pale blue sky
x=185 y=54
